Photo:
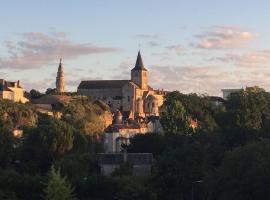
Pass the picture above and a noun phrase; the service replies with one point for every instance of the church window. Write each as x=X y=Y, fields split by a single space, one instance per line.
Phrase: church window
x=128 y=98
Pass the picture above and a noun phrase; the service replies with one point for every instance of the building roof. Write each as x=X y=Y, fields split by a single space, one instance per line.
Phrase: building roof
x=139 y=63
x=230 y=90
x=215 y=98
x=4 y=88
x=102 y=84
x=4 y=85
x=60 y=67
x=117 y=127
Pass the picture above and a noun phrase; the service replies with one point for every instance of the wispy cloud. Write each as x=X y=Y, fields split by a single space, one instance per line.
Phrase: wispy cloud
x=153 y=43
x=206 y=79
x=255 y=59
x=147 y=36
x=178 y=49
x=37 y=49
x=224 y=37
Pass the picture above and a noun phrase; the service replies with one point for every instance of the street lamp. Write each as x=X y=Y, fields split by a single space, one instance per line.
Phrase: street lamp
x=192 y=188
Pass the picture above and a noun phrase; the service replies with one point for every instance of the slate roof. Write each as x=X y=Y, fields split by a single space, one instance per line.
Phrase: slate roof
x=139 y=63
x=117 y=127
x=4 y=88
x=102 y=84
x=215 y=98
x=5 y=84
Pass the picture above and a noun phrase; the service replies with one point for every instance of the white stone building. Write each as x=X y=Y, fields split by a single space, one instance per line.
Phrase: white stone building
x=12 y=91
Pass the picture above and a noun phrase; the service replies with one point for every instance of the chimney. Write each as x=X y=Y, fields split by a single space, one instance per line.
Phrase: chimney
x=18 y=83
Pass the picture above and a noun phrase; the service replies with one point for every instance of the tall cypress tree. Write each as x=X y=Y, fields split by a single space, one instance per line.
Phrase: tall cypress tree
x=58 y=188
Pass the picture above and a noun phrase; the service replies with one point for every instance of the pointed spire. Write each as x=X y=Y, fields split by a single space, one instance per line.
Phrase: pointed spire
x=139 y=63
x=60 y=84
x=60 y=68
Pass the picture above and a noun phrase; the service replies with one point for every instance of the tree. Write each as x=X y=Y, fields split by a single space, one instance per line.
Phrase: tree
x=17 y=113
x=58 y=188
x=198 y=108
x=176 y=170
x=150 y=143
x=174 y=118
x=35 y=94
x=50 y=91
x=7 y=142
x=44 y=144
x=84 y=115
x=23 y=186
x=248 y=109
x=243 y=174
x=246 y=118
x=57 y=136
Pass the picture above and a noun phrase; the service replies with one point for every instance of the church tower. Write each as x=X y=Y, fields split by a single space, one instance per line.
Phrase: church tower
x=60 y=84
x=139 y=74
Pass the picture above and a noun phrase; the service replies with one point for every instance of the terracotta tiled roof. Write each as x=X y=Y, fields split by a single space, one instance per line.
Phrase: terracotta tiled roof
x=100 y=84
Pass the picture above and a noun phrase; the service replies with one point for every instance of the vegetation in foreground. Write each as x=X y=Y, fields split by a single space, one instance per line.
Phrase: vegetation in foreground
x=226 y=157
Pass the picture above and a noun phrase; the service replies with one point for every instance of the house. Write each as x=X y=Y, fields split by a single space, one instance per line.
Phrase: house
x=117 y=135
x=12 y=91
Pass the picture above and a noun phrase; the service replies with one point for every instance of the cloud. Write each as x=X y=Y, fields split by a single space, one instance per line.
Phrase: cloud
x=147 y=36
x=40 y=85
x=224 y=37
x=123 y=70
x=255 y=59
x=206 y=79
x=179 y=49
x=37 y=49
x=153 y=43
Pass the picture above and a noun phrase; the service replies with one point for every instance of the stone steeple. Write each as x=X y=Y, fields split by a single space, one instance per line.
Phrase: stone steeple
x=60 y=83
x=139 y=63
x=139 y=74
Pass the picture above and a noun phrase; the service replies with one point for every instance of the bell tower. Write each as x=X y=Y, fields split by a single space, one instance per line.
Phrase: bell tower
x=60 y=83
x=139 y=74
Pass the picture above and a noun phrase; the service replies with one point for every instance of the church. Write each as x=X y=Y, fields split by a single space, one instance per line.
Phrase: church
x=133 y=98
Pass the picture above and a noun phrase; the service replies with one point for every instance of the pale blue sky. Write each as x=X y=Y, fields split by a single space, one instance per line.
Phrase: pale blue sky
x=192 y=46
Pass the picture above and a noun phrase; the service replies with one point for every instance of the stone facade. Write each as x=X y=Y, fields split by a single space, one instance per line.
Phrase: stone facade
x=60 y=83
x=133 y=96
x=12 y=91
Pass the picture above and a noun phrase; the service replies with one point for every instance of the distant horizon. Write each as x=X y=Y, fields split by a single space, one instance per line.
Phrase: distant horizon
x=192 y=47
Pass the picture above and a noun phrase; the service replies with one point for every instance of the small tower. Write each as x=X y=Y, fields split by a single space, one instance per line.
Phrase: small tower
x=139 y=74
x=60 y=83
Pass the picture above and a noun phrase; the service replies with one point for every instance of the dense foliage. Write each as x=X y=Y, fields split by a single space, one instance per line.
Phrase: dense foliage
x=225 y=157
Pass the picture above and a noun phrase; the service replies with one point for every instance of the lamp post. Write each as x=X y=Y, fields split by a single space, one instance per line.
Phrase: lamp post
x=192 y=188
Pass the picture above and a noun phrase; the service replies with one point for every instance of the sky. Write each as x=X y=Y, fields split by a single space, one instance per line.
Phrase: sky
x=190 y=46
